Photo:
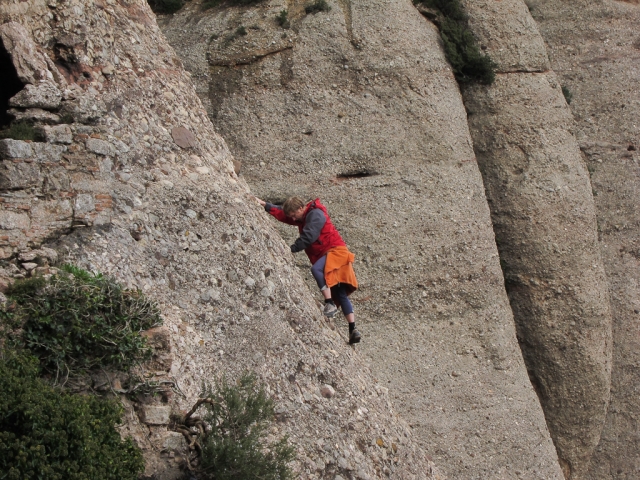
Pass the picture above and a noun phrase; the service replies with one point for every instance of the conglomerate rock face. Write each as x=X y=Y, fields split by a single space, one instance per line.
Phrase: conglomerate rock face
x=544 y=219
x=358 y=106
x=594 y=47
x=133 y=181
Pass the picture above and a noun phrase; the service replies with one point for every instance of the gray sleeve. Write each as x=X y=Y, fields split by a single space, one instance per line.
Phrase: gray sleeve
x=314 y=222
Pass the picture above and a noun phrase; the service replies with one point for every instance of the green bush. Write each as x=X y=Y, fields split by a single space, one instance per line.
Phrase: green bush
x=22 y=130
x=165 y=6
x=451 y=9
x=207 y=4
x=318 y=6
x=235 y=447
x=568 y=96
x=461 y=48
x=77 y=321
x=283 y=19
x=468 y=64
x=66 y=118
x=48 y=434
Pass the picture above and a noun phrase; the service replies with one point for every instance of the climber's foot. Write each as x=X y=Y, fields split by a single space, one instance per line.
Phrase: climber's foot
x=354 y=337
x=329 y=310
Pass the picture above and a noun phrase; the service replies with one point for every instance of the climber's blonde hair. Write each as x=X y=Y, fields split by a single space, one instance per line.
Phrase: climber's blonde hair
x=292 y=204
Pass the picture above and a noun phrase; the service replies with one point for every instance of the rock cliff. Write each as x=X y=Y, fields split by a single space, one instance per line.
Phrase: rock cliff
x=132 y=180
x=359 y=107
x=495 y=228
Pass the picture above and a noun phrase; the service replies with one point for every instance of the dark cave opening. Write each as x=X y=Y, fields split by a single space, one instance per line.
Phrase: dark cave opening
x=10 y=84
x=356 y=174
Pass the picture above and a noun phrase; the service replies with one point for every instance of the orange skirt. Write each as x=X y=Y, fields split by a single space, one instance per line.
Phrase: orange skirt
x=339 y=269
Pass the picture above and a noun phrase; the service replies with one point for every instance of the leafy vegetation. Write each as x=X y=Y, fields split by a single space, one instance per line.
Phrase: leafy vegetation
x=231 y=437
x=77 y=321
x=22 y=130
x=283 y=19
x=165 y=6
x=66 y=118
x=461 y=48
x=46 y=433
x=318 y=6
x=207 y=4
x=568 y=96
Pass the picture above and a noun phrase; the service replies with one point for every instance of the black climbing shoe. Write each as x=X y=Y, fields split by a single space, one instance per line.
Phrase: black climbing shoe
x=354 y=337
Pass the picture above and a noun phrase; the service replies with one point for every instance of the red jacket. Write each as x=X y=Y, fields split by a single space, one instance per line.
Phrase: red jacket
x=314 y=244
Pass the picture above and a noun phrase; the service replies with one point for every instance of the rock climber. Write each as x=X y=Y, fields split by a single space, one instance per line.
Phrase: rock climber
x=331 y=261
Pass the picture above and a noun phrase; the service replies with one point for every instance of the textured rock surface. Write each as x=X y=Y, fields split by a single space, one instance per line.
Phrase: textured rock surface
x=358 y=106
x=31 y=65
x=176 y=223
x=594 y=47
x=509 y=34
x=544 y=220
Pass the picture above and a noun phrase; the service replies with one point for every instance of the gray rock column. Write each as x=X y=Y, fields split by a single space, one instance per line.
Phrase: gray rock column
x=594 y=47
x=544 y=220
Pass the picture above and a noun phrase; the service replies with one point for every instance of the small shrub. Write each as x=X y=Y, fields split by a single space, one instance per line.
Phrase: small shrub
x=234 y=446
x=77 y=321
x=461 y=48
x=318 y=6
x=241 y=31
x=207 y=4
x=283 y=19
x=165 y=6
x=22 y=130
x=46 y=433
x=66 y=118
x=451 y=9
x=568 y=96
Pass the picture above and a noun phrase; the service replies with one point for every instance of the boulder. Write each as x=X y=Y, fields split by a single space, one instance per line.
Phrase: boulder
x=45 y=95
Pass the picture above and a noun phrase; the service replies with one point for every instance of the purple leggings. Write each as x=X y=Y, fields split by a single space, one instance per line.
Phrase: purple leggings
x=338 y=292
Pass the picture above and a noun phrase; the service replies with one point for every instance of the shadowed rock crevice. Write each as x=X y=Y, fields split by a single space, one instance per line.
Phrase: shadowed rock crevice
x=357 y=174
x=10 y=84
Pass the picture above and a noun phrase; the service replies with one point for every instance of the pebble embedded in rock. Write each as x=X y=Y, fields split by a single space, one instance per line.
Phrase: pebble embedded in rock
x=183 y=137
x=327 y=391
